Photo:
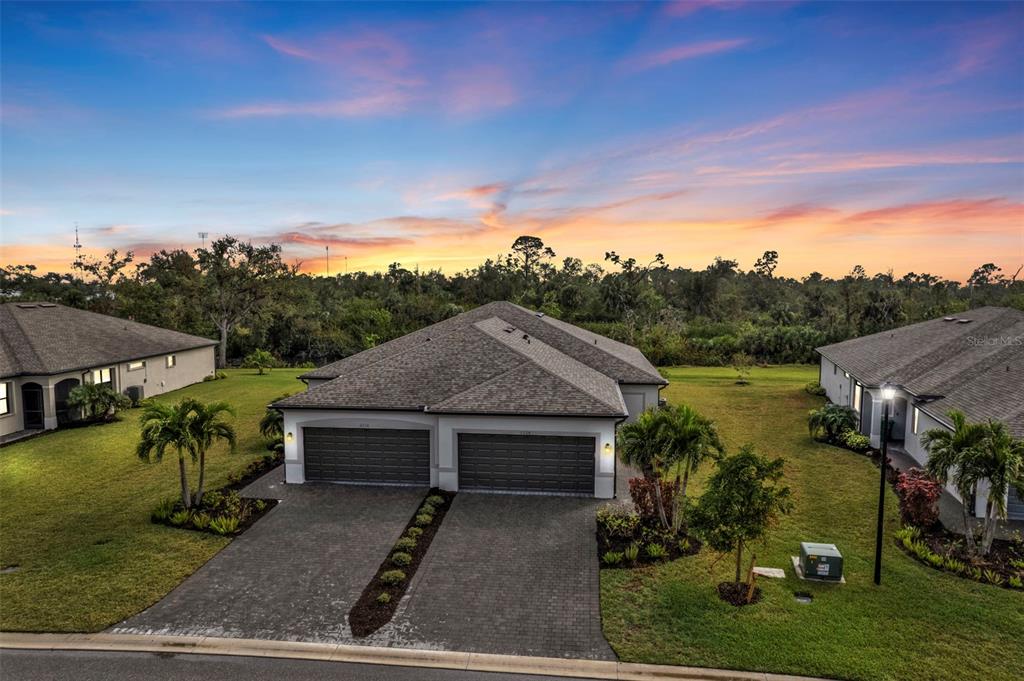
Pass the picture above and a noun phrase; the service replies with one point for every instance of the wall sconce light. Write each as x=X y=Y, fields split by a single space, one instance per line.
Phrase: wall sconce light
x=888 y=392
x=607 y=458
x=289 y=437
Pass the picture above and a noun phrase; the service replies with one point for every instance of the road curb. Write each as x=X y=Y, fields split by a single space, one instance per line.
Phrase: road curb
x=405 y=657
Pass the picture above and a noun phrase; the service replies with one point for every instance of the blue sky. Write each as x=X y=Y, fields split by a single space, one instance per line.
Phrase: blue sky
x=433 y=135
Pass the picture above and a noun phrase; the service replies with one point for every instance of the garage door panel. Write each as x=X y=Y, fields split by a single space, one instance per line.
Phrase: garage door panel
x=367 y=455
x=528 y=463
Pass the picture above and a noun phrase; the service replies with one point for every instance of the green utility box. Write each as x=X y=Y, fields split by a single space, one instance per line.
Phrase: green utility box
x=821 y=561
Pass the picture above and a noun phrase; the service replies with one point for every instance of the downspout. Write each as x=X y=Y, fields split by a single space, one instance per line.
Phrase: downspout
x=615 y=454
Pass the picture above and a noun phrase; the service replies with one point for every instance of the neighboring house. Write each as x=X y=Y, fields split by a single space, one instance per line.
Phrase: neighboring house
x=499 y=398
x=48 y=349
x=972 y=362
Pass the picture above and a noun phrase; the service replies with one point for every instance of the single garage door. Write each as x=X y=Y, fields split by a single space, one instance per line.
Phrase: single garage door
x=526 y=463
x=370 y=455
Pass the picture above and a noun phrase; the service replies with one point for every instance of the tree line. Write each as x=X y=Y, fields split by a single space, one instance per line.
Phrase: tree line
x=249 y=298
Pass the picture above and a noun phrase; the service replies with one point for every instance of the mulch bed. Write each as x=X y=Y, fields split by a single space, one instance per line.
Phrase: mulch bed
x=672 y=544
x=952 y=545
x=369 y=614
x=248 y=511
x=735 y=593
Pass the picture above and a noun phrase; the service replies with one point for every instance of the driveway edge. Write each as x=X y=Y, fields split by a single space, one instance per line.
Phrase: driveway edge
x=333 y=652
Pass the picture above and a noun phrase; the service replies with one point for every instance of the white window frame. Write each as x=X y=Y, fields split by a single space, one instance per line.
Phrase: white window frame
x=5 y=398
x=915 y=421
x=858 y=396
x=97 y=376
x=135 y=366
x=171 y=361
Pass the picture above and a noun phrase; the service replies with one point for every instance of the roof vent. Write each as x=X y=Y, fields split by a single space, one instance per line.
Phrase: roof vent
x=47 y=305
x=510 y=329
x=26 y=306
x=949 y=319
x=526 y=338
x=964 y=321
x=540 y=314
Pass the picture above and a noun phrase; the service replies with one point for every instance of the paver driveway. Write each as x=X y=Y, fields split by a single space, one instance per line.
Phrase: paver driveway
x=295 y=573
x=509 y=574
x=505 y=574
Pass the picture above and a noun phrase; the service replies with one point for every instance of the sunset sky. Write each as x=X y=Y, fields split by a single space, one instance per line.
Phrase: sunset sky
x=886 y=135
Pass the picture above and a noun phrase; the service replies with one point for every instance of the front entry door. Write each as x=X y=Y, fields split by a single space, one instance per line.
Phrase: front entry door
x=32 y=406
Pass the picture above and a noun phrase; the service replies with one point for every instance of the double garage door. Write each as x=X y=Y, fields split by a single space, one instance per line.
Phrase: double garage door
x=493 y=462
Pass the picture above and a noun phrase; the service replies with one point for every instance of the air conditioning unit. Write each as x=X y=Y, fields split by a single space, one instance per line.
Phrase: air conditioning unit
x=135 y=393
x=821 y=561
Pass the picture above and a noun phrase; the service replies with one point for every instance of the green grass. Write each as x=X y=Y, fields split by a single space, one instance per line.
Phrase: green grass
x=74 y=514
x=920 y=624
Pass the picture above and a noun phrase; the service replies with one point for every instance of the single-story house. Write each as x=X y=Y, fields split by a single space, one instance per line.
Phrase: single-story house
x=498 y=398
x=972 y=362
x=47 y=349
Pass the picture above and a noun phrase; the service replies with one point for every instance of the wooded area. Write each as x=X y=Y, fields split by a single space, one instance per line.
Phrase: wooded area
x=249 y=298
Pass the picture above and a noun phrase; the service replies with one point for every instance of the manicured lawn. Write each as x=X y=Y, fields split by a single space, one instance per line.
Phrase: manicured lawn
x=74 y=514
x=920 y=624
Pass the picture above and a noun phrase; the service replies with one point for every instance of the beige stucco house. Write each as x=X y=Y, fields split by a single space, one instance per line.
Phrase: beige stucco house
x=47 y=349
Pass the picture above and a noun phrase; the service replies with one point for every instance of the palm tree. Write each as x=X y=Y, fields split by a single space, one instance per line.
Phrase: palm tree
x=688 y=439
x=190 y=427
x=832 y=420
x=164 y=426
x=641 y=445
x=207 y=427
x=953 y=458
x=272 y=427
x=1001 y=459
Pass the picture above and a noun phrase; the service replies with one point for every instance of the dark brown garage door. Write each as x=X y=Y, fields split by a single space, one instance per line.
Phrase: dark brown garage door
x=526 y=463
x=367 y=455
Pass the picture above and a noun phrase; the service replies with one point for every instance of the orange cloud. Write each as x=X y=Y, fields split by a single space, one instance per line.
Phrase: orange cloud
x=970 y=215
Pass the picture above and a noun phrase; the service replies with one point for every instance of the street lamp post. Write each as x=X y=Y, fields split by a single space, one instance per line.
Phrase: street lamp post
x=888 y=393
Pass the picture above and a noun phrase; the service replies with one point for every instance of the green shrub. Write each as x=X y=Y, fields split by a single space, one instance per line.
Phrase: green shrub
x=427 y=509
x=655 y=551
x=974 y=573
x=401 y=558
x=405 y=544
x=684 y=544
x=954 y=565
x=855 y=441
x=935 y=560
x=225 y=524
x=814 y=388
x=260 y=505
x=201 y=521
x=1015 y=582
x=631 y=553
x=384 y=597
x=392 y=577
x=424 y=519
x=436 y=499
x=1017 y=563
x=612 y=558
x=162 y=512
x=414 y=532
x=617 y=521
x=221 y=375
x=993 y=577
x=180 y=518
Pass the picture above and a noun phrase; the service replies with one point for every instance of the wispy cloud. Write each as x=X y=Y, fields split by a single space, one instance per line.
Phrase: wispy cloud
x=677 y=53
x=377 y=104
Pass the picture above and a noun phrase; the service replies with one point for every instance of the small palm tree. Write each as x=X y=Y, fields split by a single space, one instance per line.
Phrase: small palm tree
x=190 y=427
x=641 y=446
x=259 y=359
x=831 y=420
x=953 y=459
x=1001 y=460
x=272 y=427
x=689 y=439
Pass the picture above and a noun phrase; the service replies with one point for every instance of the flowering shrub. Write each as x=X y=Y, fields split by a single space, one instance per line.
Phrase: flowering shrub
x=918 y=493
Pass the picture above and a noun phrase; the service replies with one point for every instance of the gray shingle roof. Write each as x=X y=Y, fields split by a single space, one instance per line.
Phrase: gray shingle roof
x=45 y=338
x=623 y=363
x=976 y=367
x=487 y=366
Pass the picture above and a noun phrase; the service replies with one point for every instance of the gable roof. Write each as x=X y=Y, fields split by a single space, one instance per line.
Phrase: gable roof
x=621 y=362
x=972 y=362
x=46 y=338
x=474 y=366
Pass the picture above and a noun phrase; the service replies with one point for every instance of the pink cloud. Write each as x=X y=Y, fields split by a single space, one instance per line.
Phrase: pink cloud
x=479 y=89
x=671 y=55
x=377 y=104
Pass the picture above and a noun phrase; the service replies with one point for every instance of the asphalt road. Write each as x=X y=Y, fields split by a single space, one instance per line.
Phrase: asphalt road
x=37 y=665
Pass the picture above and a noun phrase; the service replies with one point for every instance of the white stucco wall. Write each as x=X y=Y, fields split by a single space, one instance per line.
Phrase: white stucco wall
x=11 y=421
x=837 y=383
x=638 y=397
x=444 y=430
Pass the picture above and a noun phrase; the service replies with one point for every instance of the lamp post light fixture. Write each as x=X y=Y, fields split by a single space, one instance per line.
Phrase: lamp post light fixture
x=888 y=393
